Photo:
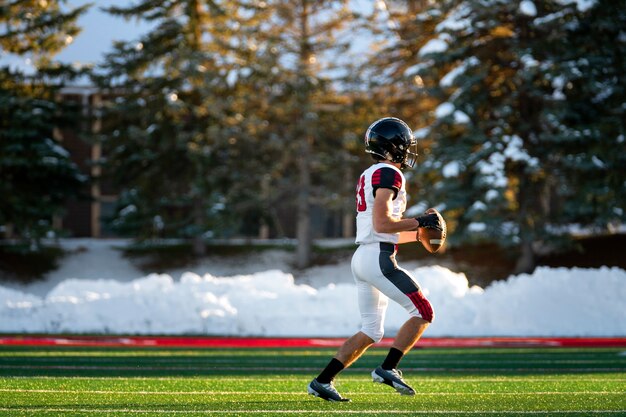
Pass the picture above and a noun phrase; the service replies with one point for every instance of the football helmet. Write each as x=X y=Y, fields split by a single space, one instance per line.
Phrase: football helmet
x=391 y=139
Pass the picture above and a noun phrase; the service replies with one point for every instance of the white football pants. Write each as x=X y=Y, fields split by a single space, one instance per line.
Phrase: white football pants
x=378 y=278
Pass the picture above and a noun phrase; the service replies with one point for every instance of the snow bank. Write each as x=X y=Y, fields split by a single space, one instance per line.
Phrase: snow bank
x=550 y=302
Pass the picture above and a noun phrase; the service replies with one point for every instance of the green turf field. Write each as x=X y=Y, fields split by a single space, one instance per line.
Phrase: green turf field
x=99 y=381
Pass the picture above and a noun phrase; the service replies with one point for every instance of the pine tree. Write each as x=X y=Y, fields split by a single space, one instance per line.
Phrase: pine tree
x=588 y=121
x=400 y=29
x=307 y=32
x=510 y=155
x=37 y=174
x=175 y=133
x=216 y=113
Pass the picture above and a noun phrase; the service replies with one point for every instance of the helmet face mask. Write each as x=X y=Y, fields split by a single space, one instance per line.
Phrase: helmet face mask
x=392 y=140
x=411 y=156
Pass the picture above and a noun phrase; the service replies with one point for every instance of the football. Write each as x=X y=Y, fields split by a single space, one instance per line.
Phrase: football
x=432 y=239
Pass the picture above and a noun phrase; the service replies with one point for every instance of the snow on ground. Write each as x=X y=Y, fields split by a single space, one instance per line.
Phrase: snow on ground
x=98 y=291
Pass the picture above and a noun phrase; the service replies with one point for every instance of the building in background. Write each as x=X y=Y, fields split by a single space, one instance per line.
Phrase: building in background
x=86 y=218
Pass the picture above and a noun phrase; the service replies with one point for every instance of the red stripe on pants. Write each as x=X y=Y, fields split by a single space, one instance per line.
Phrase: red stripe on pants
x=423 y=305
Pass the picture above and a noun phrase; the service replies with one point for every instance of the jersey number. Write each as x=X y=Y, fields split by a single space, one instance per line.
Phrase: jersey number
x=360 y=195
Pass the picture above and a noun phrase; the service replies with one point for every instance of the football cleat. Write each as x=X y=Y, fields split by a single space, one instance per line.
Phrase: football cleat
x=393 y=378
x=325 y=391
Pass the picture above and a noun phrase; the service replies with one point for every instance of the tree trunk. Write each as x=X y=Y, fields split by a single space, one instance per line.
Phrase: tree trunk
x=303 y=231
x=198 y=246
x=526 y=223
x=526 y=262
x=348 y=222
x=195 y=42
x=303 y=226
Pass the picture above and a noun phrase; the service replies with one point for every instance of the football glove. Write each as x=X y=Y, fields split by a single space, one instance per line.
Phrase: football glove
x=430 y=221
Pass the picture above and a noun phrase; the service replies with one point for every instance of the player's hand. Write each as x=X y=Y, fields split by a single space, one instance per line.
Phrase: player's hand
x=430 y=221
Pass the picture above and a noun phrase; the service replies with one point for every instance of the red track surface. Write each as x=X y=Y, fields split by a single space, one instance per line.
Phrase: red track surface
x=257 y=342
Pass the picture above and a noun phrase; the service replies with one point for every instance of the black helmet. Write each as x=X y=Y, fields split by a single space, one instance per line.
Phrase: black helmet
x=391 y=139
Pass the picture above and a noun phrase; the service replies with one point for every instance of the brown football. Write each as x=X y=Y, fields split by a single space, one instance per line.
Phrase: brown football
x=432 y=239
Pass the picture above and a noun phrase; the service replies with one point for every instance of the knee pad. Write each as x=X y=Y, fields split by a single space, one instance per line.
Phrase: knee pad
x=423 y=307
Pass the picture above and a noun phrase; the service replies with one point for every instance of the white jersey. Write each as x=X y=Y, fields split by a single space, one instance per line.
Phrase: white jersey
x=379 y=175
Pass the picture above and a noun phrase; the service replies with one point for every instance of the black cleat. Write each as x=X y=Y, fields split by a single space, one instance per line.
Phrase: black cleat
x=393 y=378
x=325 y=391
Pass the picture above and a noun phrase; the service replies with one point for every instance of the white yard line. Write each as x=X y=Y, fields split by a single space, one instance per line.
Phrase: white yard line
x=307 y=412
x=207 y=378
x=204 y=361
x=294 y=369
x=473 y=393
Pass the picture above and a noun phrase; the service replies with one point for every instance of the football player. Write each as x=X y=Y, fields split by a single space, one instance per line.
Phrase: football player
x=380 y=203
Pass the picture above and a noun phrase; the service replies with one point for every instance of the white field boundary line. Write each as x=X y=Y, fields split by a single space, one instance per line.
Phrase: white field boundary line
x=206 y=361
x=294 y=369
x=306 y=412
x=110 y=392
x=347 y=377
x=191 y=355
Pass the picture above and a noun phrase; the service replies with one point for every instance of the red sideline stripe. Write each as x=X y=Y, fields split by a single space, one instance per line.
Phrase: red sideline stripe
x=285 y=342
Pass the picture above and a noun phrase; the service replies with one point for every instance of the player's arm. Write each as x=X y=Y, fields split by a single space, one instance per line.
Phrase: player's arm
x=383 y=222
x=381 y=217
x=407 y=237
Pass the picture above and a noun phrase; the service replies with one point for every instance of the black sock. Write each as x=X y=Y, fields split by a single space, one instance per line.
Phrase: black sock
x=330 y=372
x=393 y=359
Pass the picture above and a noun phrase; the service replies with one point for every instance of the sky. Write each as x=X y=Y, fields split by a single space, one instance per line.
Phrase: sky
x=99 y=31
